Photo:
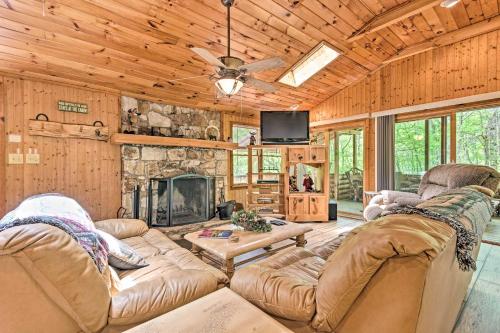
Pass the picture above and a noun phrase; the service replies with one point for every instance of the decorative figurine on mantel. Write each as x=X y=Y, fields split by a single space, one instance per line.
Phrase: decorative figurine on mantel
x=132 y=120
x=308 y=183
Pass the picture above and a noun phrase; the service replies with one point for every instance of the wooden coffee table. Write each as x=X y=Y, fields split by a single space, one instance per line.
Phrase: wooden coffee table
x=223 y=251
x=222 y=311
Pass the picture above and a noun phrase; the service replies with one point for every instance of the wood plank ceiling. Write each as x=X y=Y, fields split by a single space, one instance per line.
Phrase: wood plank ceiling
x=137 y=46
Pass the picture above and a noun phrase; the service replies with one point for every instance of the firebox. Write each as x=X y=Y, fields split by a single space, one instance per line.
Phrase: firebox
x=181 y=200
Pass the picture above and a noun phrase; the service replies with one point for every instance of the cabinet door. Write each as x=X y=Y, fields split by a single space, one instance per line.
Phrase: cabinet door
x=297 y=154
x=297 y=206
x=317 y=154
x=318 y=205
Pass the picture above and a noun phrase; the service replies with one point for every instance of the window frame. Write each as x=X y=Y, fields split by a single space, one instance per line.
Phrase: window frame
x=232 y=184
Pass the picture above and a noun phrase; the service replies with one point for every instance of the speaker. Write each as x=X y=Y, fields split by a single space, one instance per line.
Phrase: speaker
x=332 y=210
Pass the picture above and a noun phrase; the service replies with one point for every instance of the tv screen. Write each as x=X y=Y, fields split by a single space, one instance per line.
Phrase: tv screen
x=284 y=127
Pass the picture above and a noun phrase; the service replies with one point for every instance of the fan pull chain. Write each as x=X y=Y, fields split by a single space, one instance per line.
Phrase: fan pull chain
x=43 y=7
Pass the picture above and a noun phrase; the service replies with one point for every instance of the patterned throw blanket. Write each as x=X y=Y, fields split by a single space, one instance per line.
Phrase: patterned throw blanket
x=463 y=210
x=65 y=214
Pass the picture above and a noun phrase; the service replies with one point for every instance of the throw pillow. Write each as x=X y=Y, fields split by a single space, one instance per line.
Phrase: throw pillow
x=121 y=255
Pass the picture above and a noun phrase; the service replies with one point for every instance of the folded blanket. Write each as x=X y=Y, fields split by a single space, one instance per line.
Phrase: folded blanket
x=63 y=213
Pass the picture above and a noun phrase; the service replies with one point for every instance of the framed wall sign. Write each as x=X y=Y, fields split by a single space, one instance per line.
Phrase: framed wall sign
x=72 y=107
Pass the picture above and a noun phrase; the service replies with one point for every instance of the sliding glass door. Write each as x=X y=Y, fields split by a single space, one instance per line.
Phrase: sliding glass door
x=419 y=146
x=346 y=170
x=478 y=137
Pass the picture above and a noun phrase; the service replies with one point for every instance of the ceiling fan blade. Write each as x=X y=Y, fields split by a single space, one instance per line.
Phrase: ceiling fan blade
x=261 y=85
x=263 y=65
x=208 y=57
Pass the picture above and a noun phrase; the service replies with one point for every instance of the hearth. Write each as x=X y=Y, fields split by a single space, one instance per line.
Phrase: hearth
x=181 y=200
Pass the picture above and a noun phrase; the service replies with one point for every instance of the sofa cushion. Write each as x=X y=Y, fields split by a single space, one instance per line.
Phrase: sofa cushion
x=151 y=243
x=283 y=285
x=120 y=255
x=168 y=282
x=122 y=228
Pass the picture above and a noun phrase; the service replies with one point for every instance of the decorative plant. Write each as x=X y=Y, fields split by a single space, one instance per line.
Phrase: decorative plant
x=250 y=221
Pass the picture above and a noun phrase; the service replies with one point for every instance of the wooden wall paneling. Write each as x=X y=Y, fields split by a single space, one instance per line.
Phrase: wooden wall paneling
x=3 y=152
x=14 y=187
x=87 y=170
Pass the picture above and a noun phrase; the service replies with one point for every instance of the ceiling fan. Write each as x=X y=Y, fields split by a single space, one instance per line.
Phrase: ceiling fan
x=231 y=72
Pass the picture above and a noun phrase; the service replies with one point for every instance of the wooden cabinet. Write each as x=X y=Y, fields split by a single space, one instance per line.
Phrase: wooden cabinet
x=317 y=154
x=318 y=205
x=307 y=207
x=297 y=154
x=298 y=205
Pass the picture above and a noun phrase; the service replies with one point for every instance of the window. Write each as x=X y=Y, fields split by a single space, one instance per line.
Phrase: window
x=478 y=137
x=241 y=134
x=267 y=162
x=309 y=65
x=419 y=146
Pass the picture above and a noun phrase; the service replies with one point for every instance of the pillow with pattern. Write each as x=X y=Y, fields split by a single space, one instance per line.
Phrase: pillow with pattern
x=120 y=255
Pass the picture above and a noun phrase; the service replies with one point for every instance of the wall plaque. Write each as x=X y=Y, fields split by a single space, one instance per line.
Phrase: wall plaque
x=72 y=107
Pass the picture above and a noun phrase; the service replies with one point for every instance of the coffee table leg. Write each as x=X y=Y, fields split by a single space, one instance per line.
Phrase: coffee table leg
x=301 y=240
x=196 y=250
x=228 y=267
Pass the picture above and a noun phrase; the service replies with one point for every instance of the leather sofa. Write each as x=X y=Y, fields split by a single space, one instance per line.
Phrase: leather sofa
x=411 y=284
x=48 y=283
x=435 y=181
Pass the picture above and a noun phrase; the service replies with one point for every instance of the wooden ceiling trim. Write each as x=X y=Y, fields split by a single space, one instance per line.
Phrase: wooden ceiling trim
x=433 y=20
x=470 y=31
x=490 y=8
x=446 y=18
x=460 y=14
x=392 y=16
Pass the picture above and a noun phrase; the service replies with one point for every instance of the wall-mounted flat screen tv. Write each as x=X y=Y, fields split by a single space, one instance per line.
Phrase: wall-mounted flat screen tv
x=284 y=127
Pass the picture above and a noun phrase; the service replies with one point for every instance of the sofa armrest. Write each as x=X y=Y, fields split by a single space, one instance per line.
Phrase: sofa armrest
x=276 y=293
x=122 y=228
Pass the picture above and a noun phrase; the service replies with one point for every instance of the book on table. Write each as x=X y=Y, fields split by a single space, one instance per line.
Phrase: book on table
x=220 y=234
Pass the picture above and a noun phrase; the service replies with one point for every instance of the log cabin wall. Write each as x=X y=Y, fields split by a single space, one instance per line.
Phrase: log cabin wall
x=87 y=170
x=469 y=67
x=466 y=68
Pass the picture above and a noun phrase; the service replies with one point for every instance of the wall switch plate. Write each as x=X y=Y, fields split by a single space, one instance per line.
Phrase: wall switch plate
x=16 y=158
x=14 y=138
x=32 y=158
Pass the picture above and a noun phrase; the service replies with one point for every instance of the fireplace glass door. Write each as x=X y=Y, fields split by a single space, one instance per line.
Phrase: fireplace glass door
x=181 y=200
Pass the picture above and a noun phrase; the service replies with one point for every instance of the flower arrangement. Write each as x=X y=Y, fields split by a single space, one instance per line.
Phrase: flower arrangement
x=250 y=221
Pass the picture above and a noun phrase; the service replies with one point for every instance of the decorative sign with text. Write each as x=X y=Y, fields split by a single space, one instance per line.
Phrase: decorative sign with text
x=72 y=107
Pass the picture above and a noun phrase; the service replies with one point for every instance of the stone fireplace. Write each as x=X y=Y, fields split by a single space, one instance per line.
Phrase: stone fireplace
x=181 y=200
x=160 y=168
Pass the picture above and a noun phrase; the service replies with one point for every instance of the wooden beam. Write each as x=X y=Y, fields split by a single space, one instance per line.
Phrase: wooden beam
x=131 y=139
x=392 y=16
x=449 y=38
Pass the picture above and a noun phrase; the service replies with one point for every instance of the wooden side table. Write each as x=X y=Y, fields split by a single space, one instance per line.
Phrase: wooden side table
x=222 y=311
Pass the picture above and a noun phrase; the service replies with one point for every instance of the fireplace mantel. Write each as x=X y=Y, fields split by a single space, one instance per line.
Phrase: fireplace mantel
x=148 y=140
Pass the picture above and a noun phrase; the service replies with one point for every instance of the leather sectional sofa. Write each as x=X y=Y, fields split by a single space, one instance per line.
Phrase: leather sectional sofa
x=48 y=283
x=397 y=274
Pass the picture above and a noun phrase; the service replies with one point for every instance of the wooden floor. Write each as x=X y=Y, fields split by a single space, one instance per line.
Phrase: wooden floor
x=481 y=310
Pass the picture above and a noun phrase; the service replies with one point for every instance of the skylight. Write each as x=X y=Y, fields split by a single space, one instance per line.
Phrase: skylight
x=312 y=63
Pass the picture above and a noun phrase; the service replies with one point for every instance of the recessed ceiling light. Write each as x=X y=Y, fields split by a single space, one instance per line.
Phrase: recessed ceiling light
x=310 y=64
x=449 y=3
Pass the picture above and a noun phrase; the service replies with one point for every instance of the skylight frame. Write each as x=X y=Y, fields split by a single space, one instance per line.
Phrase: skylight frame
x=290 y=73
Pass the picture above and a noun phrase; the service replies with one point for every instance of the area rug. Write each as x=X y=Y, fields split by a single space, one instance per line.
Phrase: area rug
x=492 y=233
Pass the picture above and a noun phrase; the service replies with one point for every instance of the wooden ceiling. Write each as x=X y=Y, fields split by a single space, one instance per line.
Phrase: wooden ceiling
x=137 y=46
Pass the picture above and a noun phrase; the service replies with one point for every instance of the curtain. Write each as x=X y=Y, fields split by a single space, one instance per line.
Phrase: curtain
x=385 y=152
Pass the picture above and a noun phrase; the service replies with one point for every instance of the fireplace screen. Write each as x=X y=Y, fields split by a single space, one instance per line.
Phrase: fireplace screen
x=181 y=200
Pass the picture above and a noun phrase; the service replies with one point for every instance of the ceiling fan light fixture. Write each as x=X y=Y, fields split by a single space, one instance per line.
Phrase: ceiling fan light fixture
x=229 y=86
x=449 y=3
